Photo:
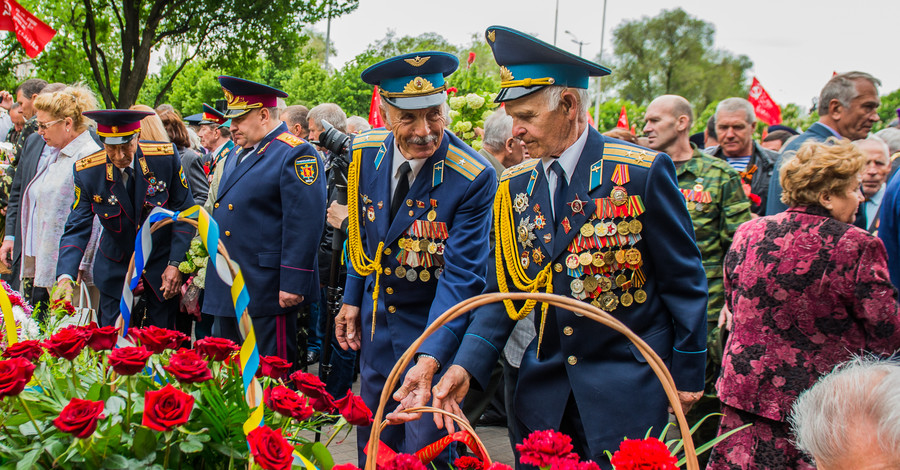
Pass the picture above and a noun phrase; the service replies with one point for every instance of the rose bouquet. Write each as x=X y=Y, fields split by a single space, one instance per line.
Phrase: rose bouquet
x=76 y=400
x=468 y=113
x=194 y=269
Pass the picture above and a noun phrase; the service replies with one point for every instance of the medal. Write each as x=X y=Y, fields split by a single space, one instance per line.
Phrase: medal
x=420 y=204
x=113 y=200
x=440 y=249
x=525 y=232
x=558 y=267
x=425 y=276
x=577 y=286
x=700 y=206
x=635 y=226
x=520 y=203
x=98 y=199
x=585 y=258
x=611 y=229
x=609 y=301
x=423 y=245
x=538 y=255
x=590 y=284
x=596 y=304
x=432 y=247
x=411 y=275
x=566 y=225
x=626 y=300
x=577 y=206
x=431 y=215
x=640 y=296
x=604 y=283
x=633 y=256
x=587 y=230
x=597 y=260
x=691 y=205
x=572 y=261
x=609 y=258
x=400 y=272
x=371 y=214
x=601 y=230
x=540 y=222
x=525 y=260
x=621 y=280
x=380 y=205
x=618 y=195
x=438 y=272
x=620 y=256
x=698 y=187
x=623 y=228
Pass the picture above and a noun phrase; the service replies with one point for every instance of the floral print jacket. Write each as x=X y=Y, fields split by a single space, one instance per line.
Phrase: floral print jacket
x=807 y=292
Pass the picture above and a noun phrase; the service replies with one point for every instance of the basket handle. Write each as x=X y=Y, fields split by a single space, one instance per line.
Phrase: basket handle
x=461 y=422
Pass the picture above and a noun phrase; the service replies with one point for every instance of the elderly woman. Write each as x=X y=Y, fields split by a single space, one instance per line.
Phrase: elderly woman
x=47 y=200
x=808 y=291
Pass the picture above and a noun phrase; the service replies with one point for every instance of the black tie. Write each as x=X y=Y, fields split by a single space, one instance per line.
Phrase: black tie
x=401 y=190
x=241 y=156
x=559 y=196
x=129 y=183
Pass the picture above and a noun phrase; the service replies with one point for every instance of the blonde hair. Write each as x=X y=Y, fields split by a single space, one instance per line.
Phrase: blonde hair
x=820 y=168
x=69 y=102
x=151 y=126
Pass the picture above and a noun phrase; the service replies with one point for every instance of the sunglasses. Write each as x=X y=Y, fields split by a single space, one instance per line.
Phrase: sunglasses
x=45 y=125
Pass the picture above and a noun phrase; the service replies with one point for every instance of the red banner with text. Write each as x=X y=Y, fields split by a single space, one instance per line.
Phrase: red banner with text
x=31 y=32
x=766 y=109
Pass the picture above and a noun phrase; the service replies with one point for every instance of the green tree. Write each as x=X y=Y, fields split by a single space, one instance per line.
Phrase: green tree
x=890 y=103
x=610 y=110
x=673 y=53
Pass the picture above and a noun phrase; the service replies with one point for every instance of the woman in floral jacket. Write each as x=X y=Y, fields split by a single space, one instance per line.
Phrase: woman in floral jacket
x=808 y=291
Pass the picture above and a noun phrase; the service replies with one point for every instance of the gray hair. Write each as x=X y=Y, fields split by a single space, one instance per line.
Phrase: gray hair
x=842 y=87
x=877 y=141
x=497 y=129
x=31 y=87
x=891 y=136
x=329 y=112
x=274 y=112
x=858 y=391
x=296 y=114
x=731 y=105
x=357 y=124
x=554 y=93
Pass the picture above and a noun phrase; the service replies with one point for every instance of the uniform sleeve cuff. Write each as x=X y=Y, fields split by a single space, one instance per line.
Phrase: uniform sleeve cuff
x=689 y=370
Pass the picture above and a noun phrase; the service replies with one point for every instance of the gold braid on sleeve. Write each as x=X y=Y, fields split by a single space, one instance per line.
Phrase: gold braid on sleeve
x=362 y=264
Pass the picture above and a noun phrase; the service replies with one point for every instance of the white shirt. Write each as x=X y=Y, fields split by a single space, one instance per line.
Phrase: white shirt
x=873 y=205
x=568 y=160
x=415 y=164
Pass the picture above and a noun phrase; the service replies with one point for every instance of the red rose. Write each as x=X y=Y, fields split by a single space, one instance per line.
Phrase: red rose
x=129 y=360
x=79 y=417
x=345 y=466
x=67 y=343
x=468 y=463
x=272 y=366
x=355 y=411
x=157 y=339
x=286 y=402
x=63 y=305
x=639 y=454
x=471 y=58
x=544 y=448
x=102 y=339
x=29 y=349
x=405 y=462
x=270 y=449
x=14 y=374
x=166 y=408
x=313 y=388
x=187 y=366
x=216 y=349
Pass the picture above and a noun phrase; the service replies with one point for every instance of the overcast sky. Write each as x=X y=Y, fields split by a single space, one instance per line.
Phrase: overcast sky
x=795 y=45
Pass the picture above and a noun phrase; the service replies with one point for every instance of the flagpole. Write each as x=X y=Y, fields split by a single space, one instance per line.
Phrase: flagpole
x=600 y=59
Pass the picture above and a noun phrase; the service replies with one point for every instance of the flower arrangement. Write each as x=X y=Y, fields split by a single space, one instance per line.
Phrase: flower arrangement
x=468 y=113
x=74 y=399
x=26 y=327
x=194 y=270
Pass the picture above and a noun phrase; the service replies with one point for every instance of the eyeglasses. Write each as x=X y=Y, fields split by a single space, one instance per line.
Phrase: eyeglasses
x=44 y=125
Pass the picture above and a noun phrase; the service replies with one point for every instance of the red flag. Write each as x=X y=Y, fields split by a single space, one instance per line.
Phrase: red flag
x=591 y=121
x=31 y=32
x=374 y=117
x=766 y=109
x=623 y=119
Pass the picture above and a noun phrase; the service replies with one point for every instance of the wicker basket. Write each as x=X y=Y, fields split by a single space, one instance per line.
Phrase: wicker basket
x=570 y=304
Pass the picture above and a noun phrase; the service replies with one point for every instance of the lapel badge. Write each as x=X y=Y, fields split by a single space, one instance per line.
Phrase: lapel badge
x=577 y=206
x=525 y=232
x=380 y=204
x=113 y=200
x=420 y=204
x=547 y=238
x=370 y=213
x=525 y=260
x=520 y=203
x=365 y=199
x=537 y=207
x=540 y=222
x=618 y=195
x=151 y=178
x=538 y=255
x=98 y=198
x=566 y=225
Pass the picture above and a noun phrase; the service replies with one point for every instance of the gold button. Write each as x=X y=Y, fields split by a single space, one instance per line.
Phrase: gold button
x=389 y=290
x=411 y=213
x=230 y=207
x=227 y=233
x=387 y=271
x=568 y=331
x=573 y=360
x=387 y=252
x=216 y=206
x=409 y=202
x=392 y=309
x=105 y=215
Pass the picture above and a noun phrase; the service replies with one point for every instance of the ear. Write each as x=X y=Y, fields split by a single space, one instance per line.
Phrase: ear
x=835 y=109
x=510 y=142
x=682 y=123
x=569 y=104
x=825 y=200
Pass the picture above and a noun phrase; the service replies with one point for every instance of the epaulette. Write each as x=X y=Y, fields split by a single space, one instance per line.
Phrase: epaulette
x=157 y=148
x=290 y=139
x=464 y=164
x=625 y=153
x=91 y=160
x=517 y=170
x=372 y=138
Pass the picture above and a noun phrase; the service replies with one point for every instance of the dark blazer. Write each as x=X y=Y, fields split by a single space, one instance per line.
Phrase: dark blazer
x=25 y=171
x=99 y=191
x=817 y=132
x=192 y=163
x=613 y=387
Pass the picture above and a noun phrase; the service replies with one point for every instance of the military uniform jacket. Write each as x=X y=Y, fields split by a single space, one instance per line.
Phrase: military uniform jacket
x=271 y=212
x=435 y=250
x=99 y=190
x=615 y=390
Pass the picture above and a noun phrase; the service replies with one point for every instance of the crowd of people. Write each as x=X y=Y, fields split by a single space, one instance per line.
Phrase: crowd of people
x=752 y=268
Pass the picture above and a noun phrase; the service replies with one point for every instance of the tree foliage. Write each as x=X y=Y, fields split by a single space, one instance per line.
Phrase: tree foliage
x=673 y=53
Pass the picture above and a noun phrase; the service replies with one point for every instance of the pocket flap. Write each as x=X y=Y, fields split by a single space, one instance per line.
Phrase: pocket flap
x=660 y=342
x=270 y=259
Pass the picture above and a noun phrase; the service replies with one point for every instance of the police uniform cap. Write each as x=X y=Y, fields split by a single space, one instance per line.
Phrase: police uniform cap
x=528 y=64
x=194 y=119
x=117 y=126
x=779 y=127
x=213 y=116
x=413 y=81
x=244 y=96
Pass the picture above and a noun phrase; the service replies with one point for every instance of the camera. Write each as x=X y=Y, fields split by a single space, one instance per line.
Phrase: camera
x=334 y=141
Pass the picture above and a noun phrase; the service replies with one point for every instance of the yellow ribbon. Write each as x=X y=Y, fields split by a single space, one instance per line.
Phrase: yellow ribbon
x=12 y=336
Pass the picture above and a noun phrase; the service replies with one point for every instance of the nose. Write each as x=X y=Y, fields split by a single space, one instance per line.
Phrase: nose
x=647 y=128
x=421 y=127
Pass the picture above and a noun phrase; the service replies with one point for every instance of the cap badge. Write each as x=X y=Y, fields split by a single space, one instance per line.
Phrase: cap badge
x=418 y=85
x=417 y=61
x=492 y=35
x=505 y=74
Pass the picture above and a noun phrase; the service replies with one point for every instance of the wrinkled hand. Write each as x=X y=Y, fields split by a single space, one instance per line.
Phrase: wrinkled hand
x=348 y=327
x=687 y=400
x=449 y=393
x=415 y=391
x=6 y=250
x=64 y=290
x=286 y=299
x=336 y=214
x=171 y=281
x=725 y=317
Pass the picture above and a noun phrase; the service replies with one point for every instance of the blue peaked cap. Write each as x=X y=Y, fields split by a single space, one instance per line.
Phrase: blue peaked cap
x=413 y=81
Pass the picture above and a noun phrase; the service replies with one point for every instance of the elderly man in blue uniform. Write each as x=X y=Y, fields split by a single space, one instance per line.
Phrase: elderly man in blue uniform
x=215 y=137
x=420 y=204
x=270 y=207
x=599 y=220
x=120 y=185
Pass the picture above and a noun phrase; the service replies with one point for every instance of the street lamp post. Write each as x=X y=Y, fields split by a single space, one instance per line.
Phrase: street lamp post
x=576 y=41
x=600 y=60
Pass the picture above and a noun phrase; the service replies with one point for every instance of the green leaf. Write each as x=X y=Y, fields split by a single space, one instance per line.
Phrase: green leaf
x=144 y=442
x=710 y=444
x=226 y=451
x=115 y=404
x=115 y=462
x=322 y=455
x=191 y=446
x=29 y=460
x=94 y=392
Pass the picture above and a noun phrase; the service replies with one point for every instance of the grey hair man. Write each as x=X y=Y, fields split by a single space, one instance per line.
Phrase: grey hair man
x=357 y=124
x=874 y=179
x=326 y=112
x=848 y=107
x=735 y=121
x=500 y=147
x=850 y=419
x=297 y=120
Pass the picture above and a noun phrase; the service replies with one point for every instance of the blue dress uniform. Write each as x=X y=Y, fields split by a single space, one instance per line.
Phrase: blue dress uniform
x=99 y=190
x=435 y=249
x=212 y=117
x=622 y=241
x=271 y=212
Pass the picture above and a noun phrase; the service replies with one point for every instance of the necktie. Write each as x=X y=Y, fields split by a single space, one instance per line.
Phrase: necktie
x=128 y=176
x=862 y=221
x=559 y=195
x=241 y=156
x=401 y=190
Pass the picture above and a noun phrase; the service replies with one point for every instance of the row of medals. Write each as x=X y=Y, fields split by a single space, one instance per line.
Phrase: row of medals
x=420 y=245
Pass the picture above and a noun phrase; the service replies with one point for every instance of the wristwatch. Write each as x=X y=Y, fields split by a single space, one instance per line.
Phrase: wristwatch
x=174 y=263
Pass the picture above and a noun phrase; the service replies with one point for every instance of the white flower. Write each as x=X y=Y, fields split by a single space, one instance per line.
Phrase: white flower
x=457 y=102
x=454 y=115
x=474 y=101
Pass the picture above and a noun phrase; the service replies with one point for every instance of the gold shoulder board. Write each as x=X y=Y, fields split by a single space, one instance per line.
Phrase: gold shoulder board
x=631 y=154
x=517 y=170
x=290 y=139
x=372 y=138
x=463 y=163
x=91 y=160
x=156 y=148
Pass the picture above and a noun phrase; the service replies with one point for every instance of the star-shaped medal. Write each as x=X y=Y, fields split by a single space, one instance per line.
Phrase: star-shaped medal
x=577 y=206
x=525 y=232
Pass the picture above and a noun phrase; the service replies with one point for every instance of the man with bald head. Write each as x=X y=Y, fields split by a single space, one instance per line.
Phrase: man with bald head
x=717 y=204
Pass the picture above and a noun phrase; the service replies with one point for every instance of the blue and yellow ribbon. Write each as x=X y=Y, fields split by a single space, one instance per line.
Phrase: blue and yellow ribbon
x=12 y=336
